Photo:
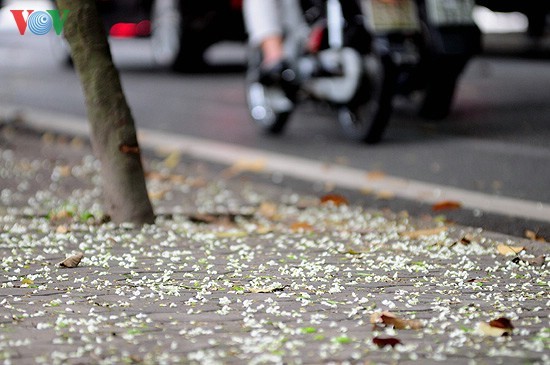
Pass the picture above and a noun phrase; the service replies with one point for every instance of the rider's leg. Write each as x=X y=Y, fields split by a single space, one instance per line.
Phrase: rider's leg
x=264 y=25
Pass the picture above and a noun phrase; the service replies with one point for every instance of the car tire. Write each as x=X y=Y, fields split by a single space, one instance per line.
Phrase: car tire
x=174 y=44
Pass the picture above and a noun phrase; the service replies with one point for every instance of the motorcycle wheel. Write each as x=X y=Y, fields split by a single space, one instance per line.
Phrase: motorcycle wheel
x=268 y=106
x=440 y=88
x=366 y=116
x=174 y=44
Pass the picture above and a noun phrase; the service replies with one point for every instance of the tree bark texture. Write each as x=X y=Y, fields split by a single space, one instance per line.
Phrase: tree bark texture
x=113 y=132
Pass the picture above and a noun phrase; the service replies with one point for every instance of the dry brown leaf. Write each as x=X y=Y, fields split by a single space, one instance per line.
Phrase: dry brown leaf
x=423 y=232
x=387 y=341
x=62 y=229
x=61 y=216
x=446 y=205
x=232 y=234
x=533 y=236
x=77 y=142
x=385 y=195
x=261 y=230
x=172 y=160
x=241 y=166
x=157 y=195
x=301 y=226
x=537 y=261
x=509 y=250
x=64 y=170
x=177 y=179
x=48 y=138
x=375 y=175
x=268 y=209
x=390 y=319
x=497 y=327
x=198 y=182
x=154 y=175
x=335 y=199
x=366 y=191
x=157 y=176
x=72 y=261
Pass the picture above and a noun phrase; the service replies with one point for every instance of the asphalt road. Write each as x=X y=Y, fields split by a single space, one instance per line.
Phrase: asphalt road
x=495 y=141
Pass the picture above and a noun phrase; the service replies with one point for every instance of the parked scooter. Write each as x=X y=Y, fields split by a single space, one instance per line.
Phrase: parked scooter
x=329 y=59
x=426 y=45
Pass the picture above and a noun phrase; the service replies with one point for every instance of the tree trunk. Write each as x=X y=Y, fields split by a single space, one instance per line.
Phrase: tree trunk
x=113 y=133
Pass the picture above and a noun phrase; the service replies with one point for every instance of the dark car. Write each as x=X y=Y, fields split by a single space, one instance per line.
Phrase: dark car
x=536 y=11
x=180 y=30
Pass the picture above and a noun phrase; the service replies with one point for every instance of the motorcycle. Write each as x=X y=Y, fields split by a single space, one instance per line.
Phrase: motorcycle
x=329 y=59
x=426 y=45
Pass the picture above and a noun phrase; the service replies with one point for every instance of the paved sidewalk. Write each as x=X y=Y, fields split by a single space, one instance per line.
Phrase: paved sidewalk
x=235 y=271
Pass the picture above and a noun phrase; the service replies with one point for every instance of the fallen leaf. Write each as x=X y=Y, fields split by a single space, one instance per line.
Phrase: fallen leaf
x=241 y=166
x=62 y=215
x=509 y=250
x=537 y=261
x=261 y=230
x=157 y=176
x=72 y=261
x=64 y=170
x=268 y=209
x=533 y=236
x=375 y=175
x=62 y=229
x=351 y=251
x=497 y=327
x=222 y=219
x=27 y=281
x=231 y=234
x=501 y=322
x=177 y=179
x=446 y=205
x=301 y=226
x=390 y=319
x=366 y=191
x=172 y=160
x=77 y=142
x=388 y=341
x=198 y=182
x=423 y=232
x=157 y=195
x=335 y=199
x=385 y=195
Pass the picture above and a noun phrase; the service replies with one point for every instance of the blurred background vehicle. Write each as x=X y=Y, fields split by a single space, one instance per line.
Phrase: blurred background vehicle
x=182 y=30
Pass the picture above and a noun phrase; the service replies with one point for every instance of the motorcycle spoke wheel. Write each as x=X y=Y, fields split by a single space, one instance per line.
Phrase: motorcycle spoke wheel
x=366 y=116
